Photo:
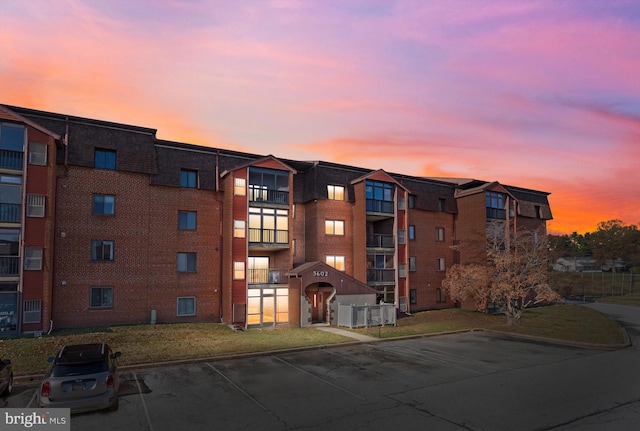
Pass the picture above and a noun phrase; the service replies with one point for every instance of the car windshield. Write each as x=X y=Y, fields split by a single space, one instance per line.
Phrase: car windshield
x=66 y=370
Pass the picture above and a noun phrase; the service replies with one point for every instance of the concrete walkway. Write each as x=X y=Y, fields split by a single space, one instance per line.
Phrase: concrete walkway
x=355 y=336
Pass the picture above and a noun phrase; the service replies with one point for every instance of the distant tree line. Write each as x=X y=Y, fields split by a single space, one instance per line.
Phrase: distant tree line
x=612 y=240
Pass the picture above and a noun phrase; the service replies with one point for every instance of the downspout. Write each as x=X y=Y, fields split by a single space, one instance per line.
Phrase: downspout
x=23 y=217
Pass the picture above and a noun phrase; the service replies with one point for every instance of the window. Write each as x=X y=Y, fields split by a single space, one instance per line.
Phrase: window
x=402 y=270
x=101 y=297
x=380 y=197
x=238 y=271
x=413 y=296
x=240 y=187
x=35 y=205
x=335 y=193
x=412 y=201
x=268 y=225
x=11 y=137
x=32 y=258
x=440 y=297
x=336 y=262
x=104 y=204
x=402 y=236
x=186 y=262
x=239 y=229
x=188 y=178
x=412 y=263
x=412 y=232
x=334 y=227
x=38 y=153
x=10 y=198
x=186 y=306
x=186 y=220
x=401 y=202
x=104 y=159
x=442 y=205
x=495 y=203
x=440 y=234
x=31 y=311
x=101 y=250
x=440 y=264
x=268 y=185
x=11 y=145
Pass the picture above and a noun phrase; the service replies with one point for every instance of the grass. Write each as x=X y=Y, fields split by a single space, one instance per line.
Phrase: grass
x=563 y=322
x=142 y=344
x=631 y=299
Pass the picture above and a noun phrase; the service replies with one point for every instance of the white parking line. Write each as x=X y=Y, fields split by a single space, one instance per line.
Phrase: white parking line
x=319 y=378
x=239 y=388
x=144 y=405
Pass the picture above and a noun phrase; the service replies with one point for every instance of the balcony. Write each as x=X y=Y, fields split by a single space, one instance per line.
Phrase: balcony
x=267 y=276
x=9 y=213
x=268 y=239
x=11 y=159
x=9 y=266
x=379 y=240
x=268 y=196
x=496 y=213
x=380 y=206
x=376 y=276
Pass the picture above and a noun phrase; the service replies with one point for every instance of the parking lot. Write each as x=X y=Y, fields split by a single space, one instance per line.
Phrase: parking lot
x=467 y=381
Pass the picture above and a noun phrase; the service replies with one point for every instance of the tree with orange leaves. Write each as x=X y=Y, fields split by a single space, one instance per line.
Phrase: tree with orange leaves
x=514 y=278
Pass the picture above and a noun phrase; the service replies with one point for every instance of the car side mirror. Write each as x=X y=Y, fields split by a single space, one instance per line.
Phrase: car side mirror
x=116 y=355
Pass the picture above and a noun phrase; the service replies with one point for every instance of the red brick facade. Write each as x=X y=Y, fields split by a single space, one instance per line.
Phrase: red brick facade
x=167 y=252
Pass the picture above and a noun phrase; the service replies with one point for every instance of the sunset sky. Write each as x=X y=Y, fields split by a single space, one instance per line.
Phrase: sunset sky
x=538 y=94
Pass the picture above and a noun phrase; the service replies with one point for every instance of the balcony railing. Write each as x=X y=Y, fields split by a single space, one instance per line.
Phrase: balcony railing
x=379 y=240
x=9 y=266
x=11 y=159
x=375 y=275
x=9 y=213
x=268 y=236
x=496 y=213
x=267 y=276
x=378 y=206
x=258 y=194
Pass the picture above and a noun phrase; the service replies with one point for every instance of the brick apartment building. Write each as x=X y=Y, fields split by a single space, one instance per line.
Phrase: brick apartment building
x=103 y=223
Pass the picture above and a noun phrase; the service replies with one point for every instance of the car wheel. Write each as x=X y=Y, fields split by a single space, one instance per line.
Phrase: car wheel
x=9 y=388
x=113 y=407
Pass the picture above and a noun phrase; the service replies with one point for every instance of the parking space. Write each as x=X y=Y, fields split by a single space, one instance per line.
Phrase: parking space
x=453 y=382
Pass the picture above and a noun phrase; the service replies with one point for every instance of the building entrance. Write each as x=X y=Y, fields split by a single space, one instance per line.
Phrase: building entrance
x=319 y=296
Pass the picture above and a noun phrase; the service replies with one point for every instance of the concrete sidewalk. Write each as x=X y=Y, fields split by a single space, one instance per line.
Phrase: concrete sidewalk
x=355 y=336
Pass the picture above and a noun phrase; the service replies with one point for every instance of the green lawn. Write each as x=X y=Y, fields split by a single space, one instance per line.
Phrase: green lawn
x=142 y=344
x=631 y=299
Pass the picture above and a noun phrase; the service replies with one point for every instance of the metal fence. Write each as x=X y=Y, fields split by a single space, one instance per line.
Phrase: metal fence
x=358 y=316
x=594 y=284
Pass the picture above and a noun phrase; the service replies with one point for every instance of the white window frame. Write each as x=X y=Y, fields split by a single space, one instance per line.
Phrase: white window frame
x=334 y=227
x=336 y=261
x=441 y=264
x=440 y=234
x=239 y=229
x=37 y=153
x=33 y=258
x=35 y=205
x=335 y=193
x=31 y=311
x=240 y=186
x=239 y=270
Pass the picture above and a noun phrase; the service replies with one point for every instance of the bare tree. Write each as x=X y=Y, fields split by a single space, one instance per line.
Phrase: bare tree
x=514 y=278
